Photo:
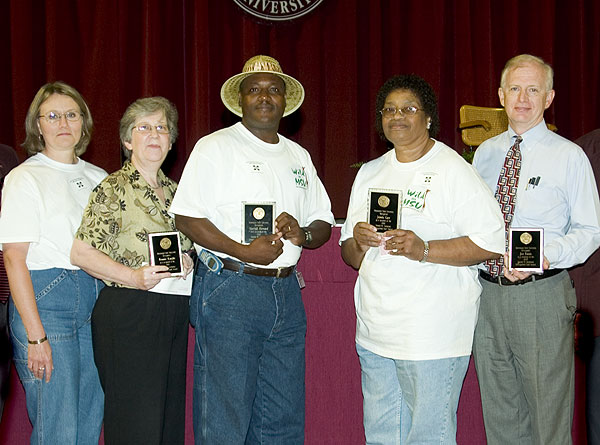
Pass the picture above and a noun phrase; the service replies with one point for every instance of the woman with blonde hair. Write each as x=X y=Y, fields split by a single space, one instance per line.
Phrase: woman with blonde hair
x=51 y=300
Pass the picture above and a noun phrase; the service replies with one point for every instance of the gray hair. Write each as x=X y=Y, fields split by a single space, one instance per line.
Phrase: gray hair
x=524 y=59
x=144 y=107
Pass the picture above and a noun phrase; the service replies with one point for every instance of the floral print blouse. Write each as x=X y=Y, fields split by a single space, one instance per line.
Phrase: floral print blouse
x=121 y=211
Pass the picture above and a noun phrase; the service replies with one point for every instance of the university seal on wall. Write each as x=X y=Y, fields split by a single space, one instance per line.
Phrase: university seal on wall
x=278 y=10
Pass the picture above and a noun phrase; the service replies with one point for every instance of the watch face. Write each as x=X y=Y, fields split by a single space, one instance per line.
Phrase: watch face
x=307 y=236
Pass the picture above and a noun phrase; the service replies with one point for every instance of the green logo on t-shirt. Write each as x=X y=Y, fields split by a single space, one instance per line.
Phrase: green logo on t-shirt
x=300 y=177
x=415 y=199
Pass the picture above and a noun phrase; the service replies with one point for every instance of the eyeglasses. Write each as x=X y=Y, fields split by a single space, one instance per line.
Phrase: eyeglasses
x=389 y=112
x=54 y=117
x=147 y=128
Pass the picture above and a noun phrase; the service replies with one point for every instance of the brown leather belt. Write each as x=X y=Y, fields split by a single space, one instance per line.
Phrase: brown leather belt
x=236 y=266
x=503 y=281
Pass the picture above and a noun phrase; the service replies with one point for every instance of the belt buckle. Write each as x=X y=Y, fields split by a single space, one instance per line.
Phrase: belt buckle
x=279 y=270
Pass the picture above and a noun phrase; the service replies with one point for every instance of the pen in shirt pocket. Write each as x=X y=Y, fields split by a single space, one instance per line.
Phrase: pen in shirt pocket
x=533 y=182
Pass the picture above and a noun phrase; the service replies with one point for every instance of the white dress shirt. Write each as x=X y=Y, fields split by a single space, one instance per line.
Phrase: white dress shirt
x=557 y=191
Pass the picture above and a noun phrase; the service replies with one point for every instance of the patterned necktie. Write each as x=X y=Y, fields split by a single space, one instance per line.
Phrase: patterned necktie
x=506 y=195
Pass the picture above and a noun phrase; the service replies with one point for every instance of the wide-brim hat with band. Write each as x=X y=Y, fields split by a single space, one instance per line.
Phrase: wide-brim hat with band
x=294 y=91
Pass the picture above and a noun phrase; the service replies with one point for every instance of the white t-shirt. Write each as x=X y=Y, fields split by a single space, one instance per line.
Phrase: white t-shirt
x=42 y=204
x=409 y=310
x=232 y=166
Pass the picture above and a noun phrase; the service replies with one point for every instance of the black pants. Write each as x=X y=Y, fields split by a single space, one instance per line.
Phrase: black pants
x=5 y=355
x=140 y=346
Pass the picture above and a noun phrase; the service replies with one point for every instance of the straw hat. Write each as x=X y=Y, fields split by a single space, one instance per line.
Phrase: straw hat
x=294 y=92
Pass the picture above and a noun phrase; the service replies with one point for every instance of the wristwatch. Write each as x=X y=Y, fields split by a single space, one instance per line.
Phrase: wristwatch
x=307 y=236
x=425 y=252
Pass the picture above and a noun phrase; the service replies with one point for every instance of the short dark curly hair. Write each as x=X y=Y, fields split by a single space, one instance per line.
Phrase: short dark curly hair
x=420 y=88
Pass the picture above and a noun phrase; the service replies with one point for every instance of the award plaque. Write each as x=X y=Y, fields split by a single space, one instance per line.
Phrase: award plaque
x=384 y=209
x=258 y=219
x=526 y=249
x=165 y=251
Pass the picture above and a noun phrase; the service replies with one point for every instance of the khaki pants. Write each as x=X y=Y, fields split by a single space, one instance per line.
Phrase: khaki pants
x=523 y=350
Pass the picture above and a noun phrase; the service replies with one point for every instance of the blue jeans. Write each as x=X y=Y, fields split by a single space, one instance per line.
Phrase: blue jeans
x=408 y=401
x=249 y=359
x=68 y=409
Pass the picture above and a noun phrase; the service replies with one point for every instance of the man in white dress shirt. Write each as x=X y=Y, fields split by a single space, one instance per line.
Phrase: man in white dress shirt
x=523 y=344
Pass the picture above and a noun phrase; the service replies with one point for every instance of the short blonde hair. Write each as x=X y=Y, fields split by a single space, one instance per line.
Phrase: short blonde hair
x=34 y=141
x=524 y=59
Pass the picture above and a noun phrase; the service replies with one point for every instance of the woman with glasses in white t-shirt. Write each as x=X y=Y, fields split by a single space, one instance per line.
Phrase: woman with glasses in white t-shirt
x=51 y=300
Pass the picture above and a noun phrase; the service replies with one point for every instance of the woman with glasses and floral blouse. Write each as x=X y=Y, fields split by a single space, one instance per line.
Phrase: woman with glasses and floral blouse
x=140 y=323
x=51 y=300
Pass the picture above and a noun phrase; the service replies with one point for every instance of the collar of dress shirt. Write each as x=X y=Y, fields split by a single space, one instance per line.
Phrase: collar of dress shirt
x=531 y=136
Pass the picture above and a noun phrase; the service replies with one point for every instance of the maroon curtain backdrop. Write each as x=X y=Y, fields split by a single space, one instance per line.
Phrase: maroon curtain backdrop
x=115 y=51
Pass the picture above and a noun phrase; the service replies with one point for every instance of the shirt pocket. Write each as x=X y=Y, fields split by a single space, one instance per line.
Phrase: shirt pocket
x=543 y=202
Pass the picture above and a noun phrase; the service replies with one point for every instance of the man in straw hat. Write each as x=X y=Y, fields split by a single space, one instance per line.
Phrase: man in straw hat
x=253 y=198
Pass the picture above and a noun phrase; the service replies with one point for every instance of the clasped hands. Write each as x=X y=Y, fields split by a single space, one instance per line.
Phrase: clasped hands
x=267 y=248
x=146 y=277
x=397 y=242
x=517 y=275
